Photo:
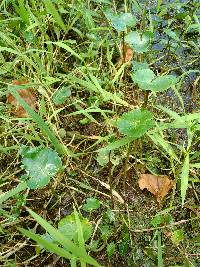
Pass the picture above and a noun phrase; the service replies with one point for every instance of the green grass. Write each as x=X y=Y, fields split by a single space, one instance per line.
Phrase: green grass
x=77 y=49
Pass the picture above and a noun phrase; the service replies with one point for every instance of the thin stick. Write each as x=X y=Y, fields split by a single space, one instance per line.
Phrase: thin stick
x=163 y=227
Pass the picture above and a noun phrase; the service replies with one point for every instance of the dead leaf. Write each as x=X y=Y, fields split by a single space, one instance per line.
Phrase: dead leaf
x=27 y=94
x=159 y=186
x=128 y=56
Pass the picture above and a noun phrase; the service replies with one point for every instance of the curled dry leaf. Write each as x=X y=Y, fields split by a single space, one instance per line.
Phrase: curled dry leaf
x=128 y=56
x=27 y=94
x=159 y=186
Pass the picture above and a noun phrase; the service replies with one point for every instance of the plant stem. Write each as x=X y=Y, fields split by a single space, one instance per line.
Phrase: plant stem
x=124 y=53
x=146 y=97
x=123 y=47
x=110 y=179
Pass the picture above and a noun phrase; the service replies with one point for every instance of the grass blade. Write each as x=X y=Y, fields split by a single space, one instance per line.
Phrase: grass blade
x=60 y=148
x=184 y=177
x=68 y=49
x=195 y=165
x=20 y=187
x=58 y=236
x=117 y=144
x=159 y=140
x=46 y=244
x=80 y=234
x=51 y=8
x=160 y=258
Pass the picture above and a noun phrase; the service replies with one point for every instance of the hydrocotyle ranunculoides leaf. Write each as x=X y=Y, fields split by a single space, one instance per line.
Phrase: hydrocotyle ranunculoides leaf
x=162 y=83
x=135 y=123
x=68 y=227
x=61 y=95
x=120 y=21
x=91 y=204
x=143 y=78
x=40 y=164
x=147 y=80
x=138 y=41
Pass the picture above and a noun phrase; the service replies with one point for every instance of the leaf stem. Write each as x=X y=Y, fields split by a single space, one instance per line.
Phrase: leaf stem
x=146 y=98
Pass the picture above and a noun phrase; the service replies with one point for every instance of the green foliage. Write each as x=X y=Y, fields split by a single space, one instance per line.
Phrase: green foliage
x=106 y=231
x=41 y=123
x=53 y=11
x=147 y=80
x=184 y=177
x=143 y=78
x=103 y=158
x=160 y=257
x=135 y=123
x=120 y=21
x=40 y=164
x=139 y=41
x=110 y=249
x=109 y=64
x=160 y=219
x=61 y=95
x=77 y=252
x=177 y=236
x=68 y=227
x=91 y=204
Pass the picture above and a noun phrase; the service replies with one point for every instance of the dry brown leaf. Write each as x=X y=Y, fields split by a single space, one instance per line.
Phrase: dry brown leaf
x=159 y=186
x=27 y=94
x=128 y=56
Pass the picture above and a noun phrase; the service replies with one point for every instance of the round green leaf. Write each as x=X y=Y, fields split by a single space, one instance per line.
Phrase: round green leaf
x=60 y=96
x=143 y=78
x=41 y=164
x=68 y=227
x=91 y=204
x=162 y=83
x=139 y=65
x=128 y=19
x=140 y=42
x=121 y=21
x=135 y=123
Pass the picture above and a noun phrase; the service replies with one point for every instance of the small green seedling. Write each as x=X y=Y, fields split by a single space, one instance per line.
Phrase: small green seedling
x=91 y=204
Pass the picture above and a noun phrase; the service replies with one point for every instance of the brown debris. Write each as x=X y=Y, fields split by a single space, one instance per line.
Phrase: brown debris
x=159 y=186
x=27 y=94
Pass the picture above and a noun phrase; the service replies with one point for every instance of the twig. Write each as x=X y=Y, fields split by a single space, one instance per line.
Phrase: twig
x=163 y=227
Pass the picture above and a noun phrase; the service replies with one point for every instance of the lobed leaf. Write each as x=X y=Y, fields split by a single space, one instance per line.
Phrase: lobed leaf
x=41 y=164
x=135 y=123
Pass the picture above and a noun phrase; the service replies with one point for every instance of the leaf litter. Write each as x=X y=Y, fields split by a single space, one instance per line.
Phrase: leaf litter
x=28 y=94
x=159 y=186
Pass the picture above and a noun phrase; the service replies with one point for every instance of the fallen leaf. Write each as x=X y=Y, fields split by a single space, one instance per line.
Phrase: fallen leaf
x=159 y=186
x=27 y=94
x=128 y=56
